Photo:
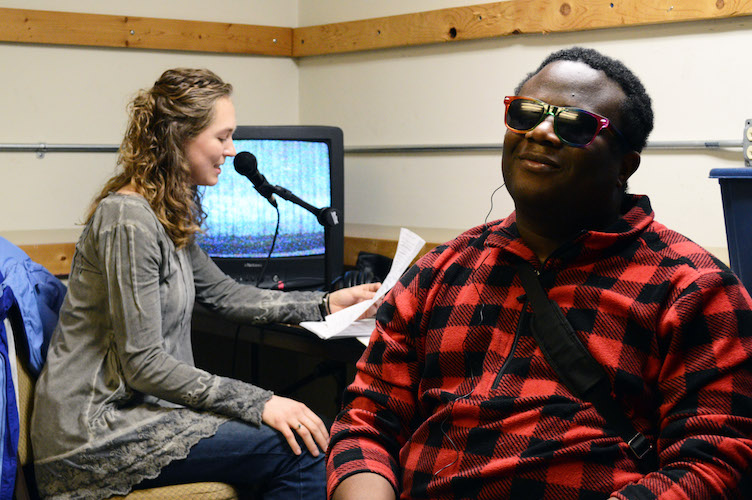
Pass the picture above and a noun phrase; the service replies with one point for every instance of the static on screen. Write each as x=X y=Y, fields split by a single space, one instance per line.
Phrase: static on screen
x=240 y=223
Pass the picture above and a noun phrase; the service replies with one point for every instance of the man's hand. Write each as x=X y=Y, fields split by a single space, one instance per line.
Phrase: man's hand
x=289 y=416
x=364 y=486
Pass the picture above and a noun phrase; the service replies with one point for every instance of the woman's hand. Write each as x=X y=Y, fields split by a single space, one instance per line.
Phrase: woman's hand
x=345 y=297
x=289 y=416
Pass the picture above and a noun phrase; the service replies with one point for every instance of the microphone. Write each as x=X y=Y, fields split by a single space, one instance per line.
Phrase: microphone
x=326 y=216
x=247 y=166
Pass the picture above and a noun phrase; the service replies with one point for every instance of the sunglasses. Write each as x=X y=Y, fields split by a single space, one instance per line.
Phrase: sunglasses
x=575 y=127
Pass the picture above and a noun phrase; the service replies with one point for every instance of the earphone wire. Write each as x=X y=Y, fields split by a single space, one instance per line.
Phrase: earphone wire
x=443 y=430
x=485 y=220
x=472 y=376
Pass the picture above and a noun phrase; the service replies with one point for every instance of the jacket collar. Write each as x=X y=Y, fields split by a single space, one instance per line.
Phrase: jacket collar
x=637 y=215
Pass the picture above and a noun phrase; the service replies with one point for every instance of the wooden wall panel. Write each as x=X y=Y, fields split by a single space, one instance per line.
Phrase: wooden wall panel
x=503 y=19
x=57 y=257
x=69 y=28
x=446 y=25
x=354 y=245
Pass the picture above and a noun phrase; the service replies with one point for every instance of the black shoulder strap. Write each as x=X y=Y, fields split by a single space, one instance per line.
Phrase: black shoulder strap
x=574 y=364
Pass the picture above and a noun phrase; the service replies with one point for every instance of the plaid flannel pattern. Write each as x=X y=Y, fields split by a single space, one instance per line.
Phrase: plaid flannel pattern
x=453 y=399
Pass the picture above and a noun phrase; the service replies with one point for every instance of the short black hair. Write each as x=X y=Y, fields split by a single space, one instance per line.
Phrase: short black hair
x=636 y=112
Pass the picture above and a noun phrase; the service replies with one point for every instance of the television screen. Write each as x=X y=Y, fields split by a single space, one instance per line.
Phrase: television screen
x=240 y=223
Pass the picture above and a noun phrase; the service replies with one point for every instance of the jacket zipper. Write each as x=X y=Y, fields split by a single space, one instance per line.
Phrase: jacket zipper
x=503 y=368
x=525 y=313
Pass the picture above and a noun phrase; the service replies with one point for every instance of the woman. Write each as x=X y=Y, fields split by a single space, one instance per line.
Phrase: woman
x=120 y=403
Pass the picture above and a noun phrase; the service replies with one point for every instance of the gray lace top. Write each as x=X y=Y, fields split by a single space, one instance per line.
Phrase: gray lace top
x=119 y=396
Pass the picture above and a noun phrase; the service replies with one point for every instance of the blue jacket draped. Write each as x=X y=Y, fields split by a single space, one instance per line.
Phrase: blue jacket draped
x=37 y=295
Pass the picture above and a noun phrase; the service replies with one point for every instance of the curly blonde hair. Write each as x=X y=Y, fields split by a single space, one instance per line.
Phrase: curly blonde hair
x=162 y=120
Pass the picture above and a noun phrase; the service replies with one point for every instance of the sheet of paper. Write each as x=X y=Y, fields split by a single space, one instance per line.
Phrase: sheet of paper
x=361 y=329
x=345 y=323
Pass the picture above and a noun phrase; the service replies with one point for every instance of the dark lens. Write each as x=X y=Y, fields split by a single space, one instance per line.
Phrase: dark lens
x=575 y=126
x=524 y=114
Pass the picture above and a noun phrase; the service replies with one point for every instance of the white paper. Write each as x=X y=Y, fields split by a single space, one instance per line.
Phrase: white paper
x=345 y=323
x=361 y=329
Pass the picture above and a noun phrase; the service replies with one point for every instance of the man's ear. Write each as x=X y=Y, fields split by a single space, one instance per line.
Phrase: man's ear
x=630 y=162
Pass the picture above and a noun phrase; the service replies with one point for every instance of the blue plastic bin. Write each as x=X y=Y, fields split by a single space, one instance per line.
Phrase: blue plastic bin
x=736 y=193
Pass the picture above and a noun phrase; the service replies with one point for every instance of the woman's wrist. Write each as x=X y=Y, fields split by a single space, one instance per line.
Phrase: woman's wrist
x=324 y=305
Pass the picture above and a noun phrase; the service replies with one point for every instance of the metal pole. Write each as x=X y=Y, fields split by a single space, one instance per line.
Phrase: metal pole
x=42 y=148
x=662 y=145
x=59 y=148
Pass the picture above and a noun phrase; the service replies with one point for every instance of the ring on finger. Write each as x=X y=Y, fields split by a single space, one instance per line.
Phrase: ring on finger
x=300 y=425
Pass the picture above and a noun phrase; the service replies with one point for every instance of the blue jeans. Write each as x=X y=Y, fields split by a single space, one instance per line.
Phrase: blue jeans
x=253 y=459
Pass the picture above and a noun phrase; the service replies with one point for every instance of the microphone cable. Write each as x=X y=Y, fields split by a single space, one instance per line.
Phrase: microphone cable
x=236 y=335
x=235 y=342
x=271 y=249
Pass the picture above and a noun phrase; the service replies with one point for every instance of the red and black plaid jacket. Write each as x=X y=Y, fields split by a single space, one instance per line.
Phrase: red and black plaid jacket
x=453 y=399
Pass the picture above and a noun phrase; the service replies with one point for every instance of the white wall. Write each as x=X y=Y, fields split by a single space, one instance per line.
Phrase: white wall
x=439 y=94
x=452 y=94
x=77 y=95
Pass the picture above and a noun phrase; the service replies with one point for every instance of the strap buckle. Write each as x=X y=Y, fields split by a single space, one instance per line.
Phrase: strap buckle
x=640 y=446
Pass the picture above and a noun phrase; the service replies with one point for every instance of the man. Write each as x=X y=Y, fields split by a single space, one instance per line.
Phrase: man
x=453 y=397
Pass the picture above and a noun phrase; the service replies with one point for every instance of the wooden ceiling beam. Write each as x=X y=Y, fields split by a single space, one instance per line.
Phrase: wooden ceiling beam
x=499 y=19
x=98 y=30
x=455 y=24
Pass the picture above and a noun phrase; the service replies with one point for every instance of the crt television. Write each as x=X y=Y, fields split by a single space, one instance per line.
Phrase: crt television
x=240 y=224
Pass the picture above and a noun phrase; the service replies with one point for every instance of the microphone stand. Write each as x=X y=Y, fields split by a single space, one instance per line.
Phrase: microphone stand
x=328 y=217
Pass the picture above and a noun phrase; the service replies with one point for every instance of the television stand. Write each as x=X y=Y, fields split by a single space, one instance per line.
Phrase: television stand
x=281 y=357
